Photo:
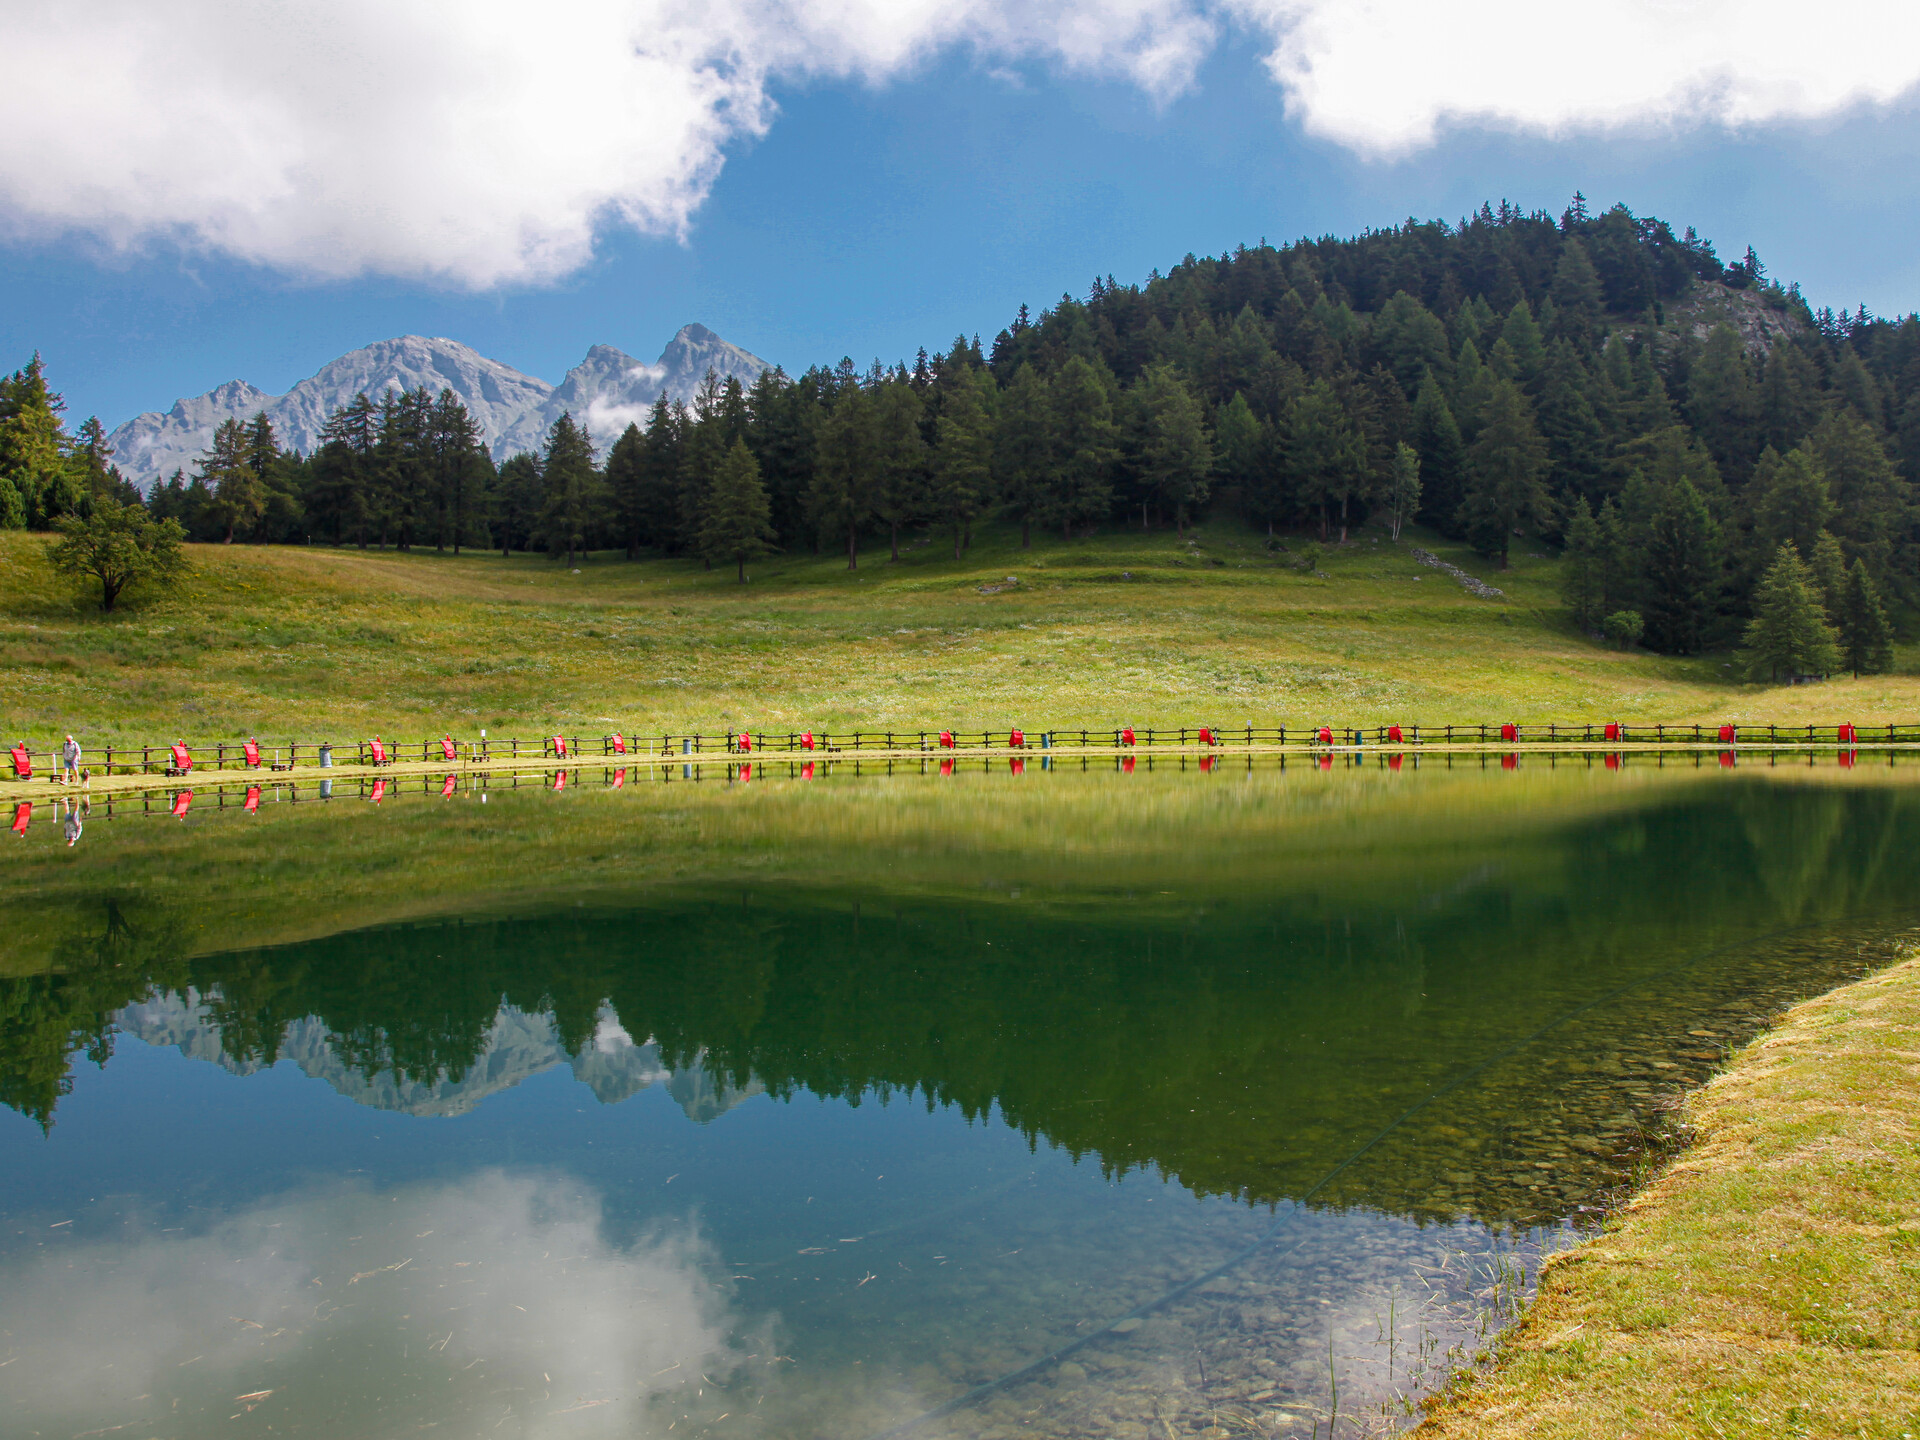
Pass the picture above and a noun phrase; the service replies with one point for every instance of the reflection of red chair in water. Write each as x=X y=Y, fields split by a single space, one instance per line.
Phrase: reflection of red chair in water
x=1326 y=762
x=379 y=791
x=253 y=799
x=806 y=770
x=448 y=785
x=22 y=817
x=22 y=762
x=1017 y=765
x=746 y=771
x=1393 y=761
x=1207 y=762
x=946 y=767
x=180 y=804
x=619 y=779
x=1727 y=759
x=1509 y=762
x=1126 y=764
x=1613 y=762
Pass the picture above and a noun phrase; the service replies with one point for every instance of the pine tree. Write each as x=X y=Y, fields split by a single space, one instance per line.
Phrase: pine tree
x=1324 y=452
x=1723 y=403
x=626 y=474
x=1086 y=442
x=1681 y=570
x=1788 y=497
x=1578 y=300
x=343 y=469
x=1873 y=506
x=34 y=446
x=1866 y=639
x=238 y=498
x=1403 y=488
x=1243 y=458
x=1583 y=581
x=900 y=457
x=517 y=502
x=1024 y=449
x=841 y=497
x=1443 y=457
x=1505 y=466
x=963 y=453
x=737 y=525
x=575 y=499
x=1170 y=446
x=1789 y=631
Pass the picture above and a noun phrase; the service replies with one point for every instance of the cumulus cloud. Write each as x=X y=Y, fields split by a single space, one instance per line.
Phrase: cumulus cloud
x=1383 y=76
x=479 y=143
x=497 y=1298
x=473 y=141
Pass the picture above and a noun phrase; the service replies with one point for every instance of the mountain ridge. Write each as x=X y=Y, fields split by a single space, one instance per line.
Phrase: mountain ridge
x=606 y=391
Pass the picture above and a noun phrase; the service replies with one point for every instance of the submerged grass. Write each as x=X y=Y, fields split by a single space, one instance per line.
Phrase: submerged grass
x=1766 y=1283
x=1125 y=627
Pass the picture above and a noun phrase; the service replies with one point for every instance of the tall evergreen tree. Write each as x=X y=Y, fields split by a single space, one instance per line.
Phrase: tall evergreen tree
x=1682 y=570
x=1789 y=633
x=1086 y=444
x=1325 y=454
x=841 y=498
x=1024 y=449
x=518 y=499
x=238 y=498
x=1788 y=498
x=1583 y=579
x=1169 y=443
x=1828 y=565
x=899 y=458
x=626 y=476
x=1505 y=468
x=575 y=491
x=963 y=453
x=737 y=525
x=1866 y=639
x=1443 y=457
x=33 y=449
x=1723 y=403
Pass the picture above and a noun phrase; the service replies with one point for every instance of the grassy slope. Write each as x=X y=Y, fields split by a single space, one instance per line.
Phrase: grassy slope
x=289 y=643
x=1766 y=1284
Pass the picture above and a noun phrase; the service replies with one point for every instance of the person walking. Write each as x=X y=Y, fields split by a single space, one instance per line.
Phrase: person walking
x=70 y=761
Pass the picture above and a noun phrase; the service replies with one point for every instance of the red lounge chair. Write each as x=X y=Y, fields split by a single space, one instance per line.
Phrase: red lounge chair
x=1509 y=731
x=1846 y=735
x=182 y=761
x=1394 y=736
x=1326 y=735
x=1017 y=764
x=1726 y=734
x=560 y=746
x=448 y=786
x=1016 y=739
x=619 y=778
x=252 y=751
x=448 y=750
x=746 y=742
x=1126 y=736
x=946 y=739
x=619 y=744
x=379 y=752
x=806 y=741
x=1206 y=736
x=180 y=804
x=22 y=816
x=1613 y=730
x=379 y=791
x=22 y=762
x=253 y=799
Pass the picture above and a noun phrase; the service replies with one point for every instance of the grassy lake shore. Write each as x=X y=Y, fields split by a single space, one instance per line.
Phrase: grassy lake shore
x=1766 y=1283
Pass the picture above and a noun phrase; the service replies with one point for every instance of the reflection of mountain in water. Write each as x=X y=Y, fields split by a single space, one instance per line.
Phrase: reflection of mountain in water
x=517 y=1046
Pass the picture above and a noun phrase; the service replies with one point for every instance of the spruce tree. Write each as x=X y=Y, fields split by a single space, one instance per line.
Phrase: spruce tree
x=1866 y=639
x=1577 y=298
x=1789 y=631
x=33 y=447
x=1681 y=571
x=626 y=473
x=1505 y=466
x=900 y=457
x=737 y=525
x=1723 y=404
x=841 y=498
x=1325 y=453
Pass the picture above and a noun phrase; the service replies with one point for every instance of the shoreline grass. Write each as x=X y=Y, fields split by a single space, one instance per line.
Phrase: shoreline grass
x=1765 y=1283
x=1127 y=627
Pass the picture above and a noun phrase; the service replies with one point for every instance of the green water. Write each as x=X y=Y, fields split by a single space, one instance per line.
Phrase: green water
x=805 y=1109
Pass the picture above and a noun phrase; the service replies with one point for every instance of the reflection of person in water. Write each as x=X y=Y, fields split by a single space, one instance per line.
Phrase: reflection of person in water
x=76 y=812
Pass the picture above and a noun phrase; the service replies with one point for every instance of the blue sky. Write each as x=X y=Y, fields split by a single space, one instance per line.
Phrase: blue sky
x=867 y=211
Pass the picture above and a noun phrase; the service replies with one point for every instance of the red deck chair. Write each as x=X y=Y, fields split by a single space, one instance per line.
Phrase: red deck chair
x=1016 y=738
x=806 y=741
x=746 y=743
x=1726 y=734
x=379 y=751
x=560 y=746
x=448 y=750
x=22 y=817
x=619 y=778
x=1509 y=731
x=946 y=739
x=1846 y=735
x=1326 y=735
x=1613 y=730
x=1206 y=736
x=252 y=751
x=253 y=799
x=1017 y=764
x=180 y=804
x=182 y=761
x=619 y=744
x=22 y=762
x=379 y=791
x=1394 y=736
x=1126 y=736
x=448 y=786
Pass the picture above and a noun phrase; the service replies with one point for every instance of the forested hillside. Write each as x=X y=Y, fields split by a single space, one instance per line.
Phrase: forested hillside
x=1597 y=382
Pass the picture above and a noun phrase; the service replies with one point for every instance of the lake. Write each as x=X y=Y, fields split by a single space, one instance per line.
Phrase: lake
x=1073 y=1102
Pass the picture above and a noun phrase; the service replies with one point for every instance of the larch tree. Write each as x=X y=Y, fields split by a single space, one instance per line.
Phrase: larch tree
x=238 y=496
x=1866 y=637
x=963 y=453
x=736 y=524
x=1789 y=632
x=1172 y=452
x=1023 y=457
x=574 y=489
x=1506 y=466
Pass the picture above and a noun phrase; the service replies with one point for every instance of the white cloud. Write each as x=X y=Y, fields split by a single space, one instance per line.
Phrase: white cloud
x=473 y=141
x=1383 y=76
x=481 y=143
x=497 y=1296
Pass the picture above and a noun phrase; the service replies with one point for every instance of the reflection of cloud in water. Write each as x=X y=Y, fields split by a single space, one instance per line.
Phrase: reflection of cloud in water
x=495 y=1301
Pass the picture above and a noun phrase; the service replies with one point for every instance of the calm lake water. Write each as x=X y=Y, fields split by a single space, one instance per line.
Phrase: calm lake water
x=1240 y=1100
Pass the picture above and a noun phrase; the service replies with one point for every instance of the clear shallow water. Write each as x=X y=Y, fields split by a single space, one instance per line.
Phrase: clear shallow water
x=805 y=1110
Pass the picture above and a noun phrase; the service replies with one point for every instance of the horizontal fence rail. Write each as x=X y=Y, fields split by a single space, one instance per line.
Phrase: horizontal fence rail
x=164 y=760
